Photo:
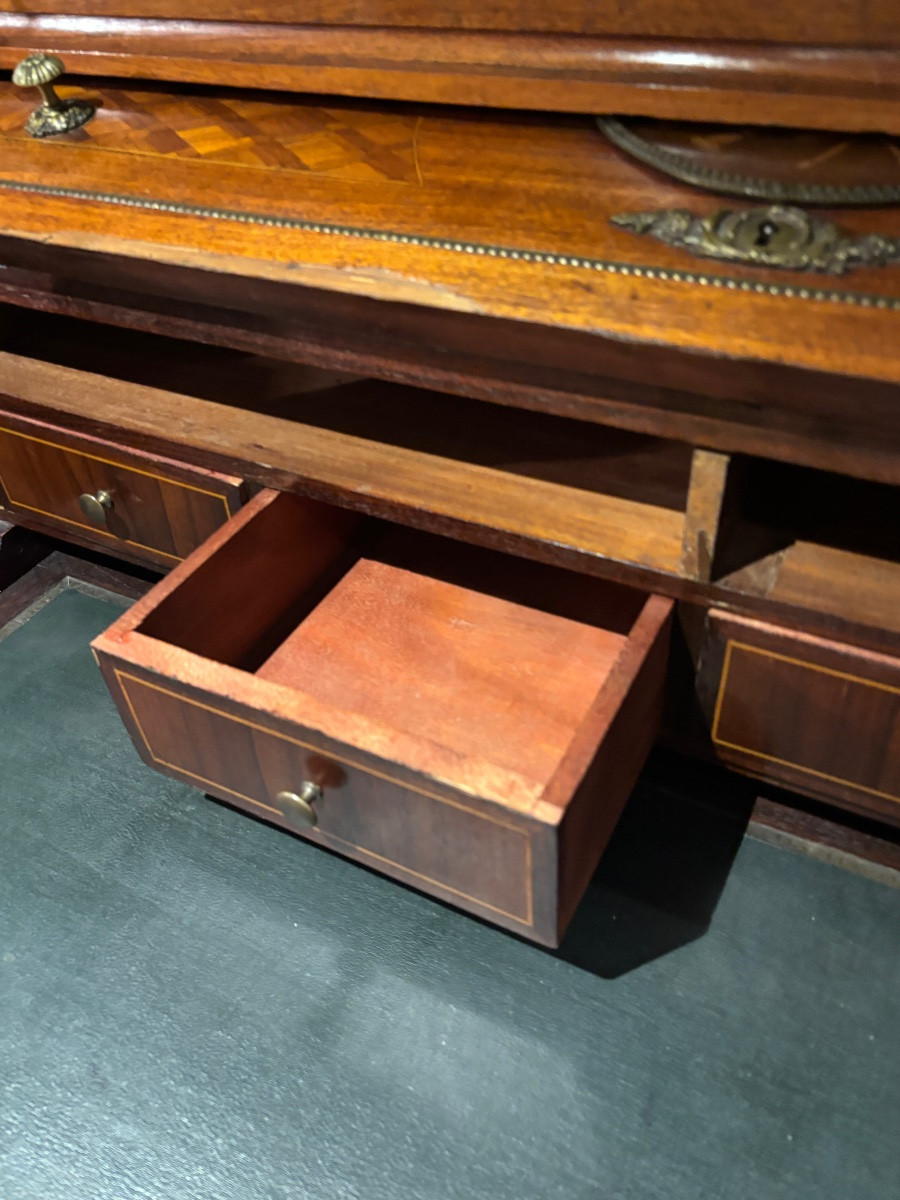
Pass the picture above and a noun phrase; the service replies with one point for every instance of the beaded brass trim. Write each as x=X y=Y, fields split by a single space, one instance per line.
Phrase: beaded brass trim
x=479 y=249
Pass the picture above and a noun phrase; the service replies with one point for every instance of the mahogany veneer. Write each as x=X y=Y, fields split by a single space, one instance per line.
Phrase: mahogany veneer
x=486 y=218
x=805 y=711
x=161 y=509
x=475 y=722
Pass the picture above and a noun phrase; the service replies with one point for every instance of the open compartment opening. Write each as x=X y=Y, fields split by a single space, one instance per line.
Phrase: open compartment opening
x=626 y=491
x=492 y=657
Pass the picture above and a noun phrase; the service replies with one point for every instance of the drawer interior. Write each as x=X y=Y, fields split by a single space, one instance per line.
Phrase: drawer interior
x=490 y=658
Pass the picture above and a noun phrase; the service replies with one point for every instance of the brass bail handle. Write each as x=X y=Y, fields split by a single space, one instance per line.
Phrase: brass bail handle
x=54 y=115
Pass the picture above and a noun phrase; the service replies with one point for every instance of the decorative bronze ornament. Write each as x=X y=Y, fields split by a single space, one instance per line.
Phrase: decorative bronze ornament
x=54 y=115
x=783 y=166
x=777 y=236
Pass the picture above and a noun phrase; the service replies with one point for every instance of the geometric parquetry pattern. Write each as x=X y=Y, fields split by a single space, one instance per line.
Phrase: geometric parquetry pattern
x=250 y=130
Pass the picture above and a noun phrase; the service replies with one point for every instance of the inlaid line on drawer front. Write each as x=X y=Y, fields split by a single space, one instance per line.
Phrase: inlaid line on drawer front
x=96 y=530
x=527 y=920
x=731 y=646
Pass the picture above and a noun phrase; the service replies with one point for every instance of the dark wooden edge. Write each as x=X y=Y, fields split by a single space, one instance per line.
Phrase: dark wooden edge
x=61 y=568
x=825 y=832
x=829 y=87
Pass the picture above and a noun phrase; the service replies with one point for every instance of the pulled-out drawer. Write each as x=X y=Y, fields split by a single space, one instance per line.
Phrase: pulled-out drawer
x=467 y=722
x=813 y=714
x=153 y=508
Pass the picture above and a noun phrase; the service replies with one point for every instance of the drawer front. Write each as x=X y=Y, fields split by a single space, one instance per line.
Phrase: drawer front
x=158 y=510
x=439 y=844
x=813 y=714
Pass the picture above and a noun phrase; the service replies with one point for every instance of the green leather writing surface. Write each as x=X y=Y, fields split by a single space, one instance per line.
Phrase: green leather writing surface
x=196 y=1006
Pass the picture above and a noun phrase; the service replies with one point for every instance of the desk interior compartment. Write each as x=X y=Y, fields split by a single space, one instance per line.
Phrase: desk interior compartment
x=543 y=479
x=472 y=723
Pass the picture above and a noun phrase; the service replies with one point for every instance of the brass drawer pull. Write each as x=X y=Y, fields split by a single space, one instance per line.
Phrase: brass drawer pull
x=297 y=807
x=55 y=115
x=96 y=507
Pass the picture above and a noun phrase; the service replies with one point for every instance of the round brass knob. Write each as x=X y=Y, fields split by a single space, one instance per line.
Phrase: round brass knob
x=97 y=506
x=54 y=115
x=297 y=807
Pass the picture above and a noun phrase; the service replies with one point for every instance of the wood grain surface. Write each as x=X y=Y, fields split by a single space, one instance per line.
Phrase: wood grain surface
x=607 y=532
x=161 y=510
x=510 y=219
x=805 y=712
x=506 y=682
x=802 y=85
x=550 y=511
x=798 y=416
x=356 y=144
x=826 y=22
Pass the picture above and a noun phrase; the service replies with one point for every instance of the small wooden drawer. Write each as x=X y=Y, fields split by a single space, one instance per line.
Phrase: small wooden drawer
x=816 y=715
x=466 y=722
x=153 y=508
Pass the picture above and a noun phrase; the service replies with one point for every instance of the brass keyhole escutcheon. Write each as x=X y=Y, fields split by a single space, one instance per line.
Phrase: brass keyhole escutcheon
x=767 y=231
x=97 y=506
x=297 y=807
x=54 y=115
x=775 y=232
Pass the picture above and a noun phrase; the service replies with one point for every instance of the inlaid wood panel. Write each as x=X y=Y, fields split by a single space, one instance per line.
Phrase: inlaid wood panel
x=354 y=143
x=807 y=712
x=160 y=510
x=507 y=217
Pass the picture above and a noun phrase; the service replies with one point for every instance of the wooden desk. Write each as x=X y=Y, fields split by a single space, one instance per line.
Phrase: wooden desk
x=426 y=318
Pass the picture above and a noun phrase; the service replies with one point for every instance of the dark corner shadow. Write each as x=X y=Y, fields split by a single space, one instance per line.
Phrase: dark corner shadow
x=658 y=883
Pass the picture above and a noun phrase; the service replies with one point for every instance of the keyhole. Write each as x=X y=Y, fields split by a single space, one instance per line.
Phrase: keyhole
x=767 y=231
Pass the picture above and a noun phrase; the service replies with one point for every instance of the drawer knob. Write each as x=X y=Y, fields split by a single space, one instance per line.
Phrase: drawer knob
x=96 y=507
x=54 y=115
x=297 y=807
